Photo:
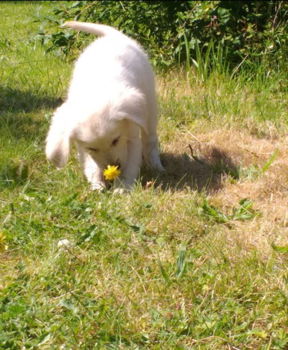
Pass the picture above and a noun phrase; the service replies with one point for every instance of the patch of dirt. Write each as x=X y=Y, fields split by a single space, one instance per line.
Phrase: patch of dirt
x=231 y=165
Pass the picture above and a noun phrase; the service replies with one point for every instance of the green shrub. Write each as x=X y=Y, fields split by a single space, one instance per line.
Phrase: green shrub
x=173 y=31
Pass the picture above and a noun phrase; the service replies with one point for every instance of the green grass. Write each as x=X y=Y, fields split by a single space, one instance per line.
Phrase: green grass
x=166 y=266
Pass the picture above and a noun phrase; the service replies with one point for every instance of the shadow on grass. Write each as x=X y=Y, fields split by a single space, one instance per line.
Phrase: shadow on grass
x=203 y=173
x=15 y=106
x=181 y=172
x=12 y=100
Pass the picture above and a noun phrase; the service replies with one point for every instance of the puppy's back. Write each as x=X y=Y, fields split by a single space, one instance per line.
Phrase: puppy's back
x=112 y=58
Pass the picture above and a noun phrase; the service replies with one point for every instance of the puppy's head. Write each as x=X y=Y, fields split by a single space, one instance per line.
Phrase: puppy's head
x=105 y=141
x=104 y=134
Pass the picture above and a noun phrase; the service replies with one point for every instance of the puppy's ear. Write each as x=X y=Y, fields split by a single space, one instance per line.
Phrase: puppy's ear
x=58 y=139
x=57 y=149
x=137 y=118
x=134 y=108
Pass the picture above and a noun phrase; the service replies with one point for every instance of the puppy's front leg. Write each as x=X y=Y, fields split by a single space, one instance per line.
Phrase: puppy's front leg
x=91 y=170
x=94 y=176
x=131 y=169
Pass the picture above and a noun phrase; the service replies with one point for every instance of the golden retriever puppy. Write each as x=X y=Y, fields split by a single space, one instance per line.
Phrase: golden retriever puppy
x=111 y=110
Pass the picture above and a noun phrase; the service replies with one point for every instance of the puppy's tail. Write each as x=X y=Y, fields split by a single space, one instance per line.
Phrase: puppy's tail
x=93 y=28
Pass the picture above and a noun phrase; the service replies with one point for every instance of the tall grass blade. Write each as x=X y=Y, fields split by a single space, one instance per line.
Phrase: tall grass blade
x=270 y=161
x=164 y=273
x=181 y=262
x=188 y=52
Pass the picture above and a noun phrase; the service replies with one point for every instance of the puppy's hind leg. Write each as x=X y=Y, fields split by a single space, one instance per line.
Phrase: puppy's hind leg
x=150 y=139
x=134 y=159
x=151 y=151
x=151 y=148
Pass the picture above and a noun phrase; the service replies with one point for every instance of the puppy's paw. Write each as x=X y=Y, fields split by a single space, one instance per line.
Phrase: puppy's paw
x=156 y=165
x=120 y=190
x=122 y=187
x=155 y=162
x=98 y=186
x=159 y=167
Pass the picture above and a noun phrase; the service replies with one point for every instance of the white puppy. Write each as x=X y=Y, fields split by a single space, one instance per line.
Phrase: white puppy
x=110 y=112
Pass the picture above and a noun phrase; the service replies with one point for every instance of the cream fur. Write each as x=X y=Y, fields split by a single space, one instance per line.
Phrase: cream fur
x=110 y=112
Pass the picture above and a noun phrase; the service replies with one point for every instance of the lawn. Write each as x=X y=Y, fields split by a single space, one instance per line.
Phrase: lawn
x=195 y=258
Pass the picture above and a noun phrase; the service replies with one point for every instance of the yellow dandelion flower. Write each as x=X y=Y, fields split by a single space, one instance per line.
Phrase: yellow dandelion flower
x=111 y=172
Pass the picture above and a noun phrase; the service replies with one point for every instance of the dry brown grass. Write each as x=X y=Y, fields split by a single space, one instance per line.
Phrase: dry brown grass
x=226 y=154
x=228 y=164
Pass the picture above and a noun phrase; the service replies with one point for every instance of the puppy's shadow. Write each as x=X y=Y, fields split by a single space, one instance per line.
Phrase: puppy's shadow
x=201 y=173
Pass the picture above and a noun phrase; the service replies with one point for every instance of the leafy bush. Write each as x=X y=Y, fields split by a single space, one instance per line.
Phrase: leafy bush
x=173 y=31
